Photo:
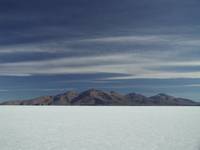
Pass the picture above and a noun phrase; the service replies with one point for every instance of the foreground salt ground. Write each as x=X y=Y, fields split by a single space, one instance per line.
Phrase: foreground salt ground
x=99 y=128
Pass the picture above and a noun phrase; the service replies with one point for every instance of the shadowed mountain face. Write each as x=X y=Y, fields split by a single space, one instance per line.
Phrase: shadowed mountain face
x=163 y=99
x=64 y=99
x=95 y=97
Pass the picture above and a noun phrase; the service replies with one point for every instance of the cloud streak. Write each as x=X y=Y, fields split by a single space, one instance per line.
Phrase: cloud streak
x=99 y=42
x=135 y=65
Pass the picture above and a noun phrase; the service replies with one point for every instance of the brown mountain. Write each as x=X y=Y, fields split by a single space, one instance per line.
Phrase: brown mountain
x=97 y=97
x=163 y=99
x=64 y=99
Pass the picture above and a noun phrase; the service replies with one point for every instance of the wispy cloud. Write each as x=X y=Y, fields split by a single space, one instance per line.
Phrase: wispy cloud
x=97 y=41
x=4 y=90
x=135 y=38
x=62 y=65
x=136 y=65
x=192 y=85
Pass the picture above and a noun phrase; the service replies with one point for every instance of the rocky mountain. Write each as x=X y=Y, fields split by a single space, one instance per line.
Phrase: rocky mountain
x=97 y=97
x=163 y=99
x=138 y=99
x=93 y=97
x=64 y=99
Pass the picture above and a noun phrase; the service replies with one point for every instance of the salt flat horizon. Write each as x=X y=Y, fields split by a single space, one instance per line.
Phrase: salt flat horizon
x=92 y=127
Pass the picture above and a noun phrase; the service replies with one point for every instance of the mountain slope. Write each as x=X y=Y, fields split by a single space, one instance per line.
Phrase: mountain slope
x=95 y=97
x=138 y=99
x=64 y=99
x=163 y=99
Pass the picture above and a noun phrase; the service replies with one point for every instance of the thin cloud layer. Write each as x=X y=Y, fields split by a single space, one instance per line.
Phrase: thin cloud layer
x=104 y=40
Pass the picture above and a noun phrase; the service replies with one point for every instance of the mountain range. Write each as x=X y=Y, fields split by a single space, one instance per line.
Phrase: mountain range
x=94 y=97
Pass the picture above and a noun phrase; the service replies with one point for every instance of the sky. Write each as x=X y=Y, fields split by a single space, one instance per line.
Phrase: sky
x=145 y=46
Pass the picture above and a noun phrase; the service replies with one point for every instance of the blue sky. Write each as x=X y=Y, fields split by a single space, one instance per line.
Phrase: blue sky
x=50 y=46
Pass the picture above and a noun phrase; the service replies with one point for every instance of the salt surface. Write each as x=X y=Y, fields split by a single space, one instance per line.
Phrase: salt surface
x=99 y=128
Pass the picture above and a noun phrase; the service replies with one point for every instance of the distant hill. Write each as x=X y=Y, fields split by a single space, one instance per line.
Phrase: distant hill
x=93 y=97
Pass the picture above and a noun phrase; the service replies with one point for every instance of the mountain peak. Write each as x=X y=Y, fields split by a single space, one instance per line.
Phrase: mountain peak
x=163 y=94
x=91 y=92
x=71 y=93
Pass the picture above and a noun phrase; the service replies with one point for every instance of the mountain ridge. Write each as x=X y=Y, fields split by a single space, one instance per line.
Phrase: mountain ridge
x=94 y=97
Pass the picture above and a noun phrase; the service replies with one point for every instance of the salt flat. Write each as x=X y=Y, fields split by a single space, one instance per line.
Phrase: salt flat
x=99 y=128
